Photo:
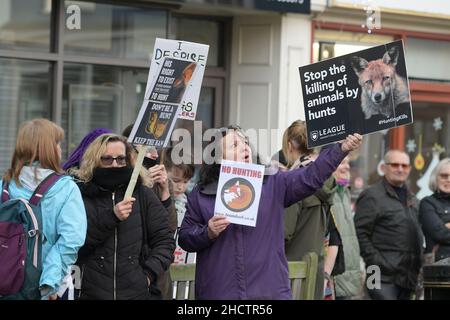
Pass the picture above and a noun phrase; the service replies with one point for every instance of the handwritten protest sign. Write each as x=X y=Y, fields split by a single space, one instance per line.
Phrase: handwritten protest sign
x=239 y=191
x=175 y=78
x=187 y=84
x=363 y=92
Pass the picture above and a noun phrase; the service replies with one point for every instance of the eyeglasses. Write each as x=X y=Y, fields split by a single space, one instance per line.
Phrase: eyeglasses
x=108 y=160
x=444 y=176
x=398 y=165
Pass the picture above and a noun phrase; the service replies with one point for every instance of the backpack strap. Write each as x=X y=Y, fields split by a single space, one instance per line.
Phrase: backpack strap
x=5 y=192
x=44 y=186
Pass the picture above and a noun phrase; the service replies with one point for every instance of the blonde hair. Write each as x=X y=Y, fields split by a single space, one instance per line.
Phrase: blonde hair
x=297 y=136
x=37 y=140
x=433 y=184
x=92 y=158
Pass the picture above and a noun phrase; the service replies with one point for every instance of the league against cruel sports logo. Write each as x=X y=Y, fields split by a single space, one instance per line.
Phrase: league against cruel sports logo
x=237 y=194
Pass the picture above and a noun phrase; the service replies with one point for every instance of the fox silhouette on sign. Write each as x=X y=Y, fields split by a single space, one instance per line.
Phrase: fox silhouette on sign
x=234 y=192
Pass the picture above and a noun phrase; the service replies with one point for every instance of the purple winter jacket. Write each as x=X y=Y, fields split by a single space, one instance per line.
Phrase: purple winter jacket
x=249 y=262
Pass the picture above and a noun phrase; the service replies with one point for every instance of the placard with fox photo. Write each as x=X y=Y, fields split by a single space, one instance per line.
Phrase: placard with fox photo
x=362 y=92
x=239 y=191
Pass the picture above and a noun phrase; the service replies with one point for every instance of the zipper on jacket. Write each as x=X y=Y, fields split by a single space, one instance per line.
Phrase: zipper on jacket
x=115 y=252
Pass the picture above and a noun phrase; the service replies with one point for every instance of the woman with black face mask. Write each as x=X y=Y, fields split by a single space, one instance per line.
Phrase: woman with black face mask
x=162 y=187
x=129 y=242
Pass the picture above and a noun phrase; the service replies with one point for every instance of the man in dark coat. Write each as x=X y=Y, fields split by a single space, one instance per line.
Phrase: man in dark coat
x=389 y=234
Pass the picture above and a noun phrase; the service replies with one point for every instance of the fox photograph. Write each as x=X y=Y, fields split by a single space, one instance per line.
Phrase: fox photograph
x=382 y=88
x=363 y=92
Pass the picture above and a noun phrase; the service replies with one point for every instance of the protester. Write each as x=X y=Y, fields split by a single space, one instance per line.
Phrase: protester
x=37 y=155
x=243 y=262
x=180 y=175
x=388 y=230
x=434 y=213
x=348 y=284
x=308 y=222
x=129 y=242
x=162 y=289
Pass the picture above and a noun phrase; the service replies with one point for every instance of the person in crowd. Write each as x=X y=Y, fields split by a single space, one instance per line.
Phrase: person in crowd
x=242 y=262
x=77 y=154
x=162 y=289
x=180 y=175
x=434 y=213
x=129 y=242
x=387 y=226
x=347 y=285
x=308 y=221
x=36 y=156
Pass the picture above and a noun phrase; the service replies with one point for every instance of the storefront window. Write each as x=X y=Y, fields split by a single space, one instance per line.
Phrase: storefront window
x=205 y=108
x=115 y=31
x=202 y=31
x=94 y=94
x=24 y=95
x=419 y=52
x=329 y=43
x=100 y=96
x=428 y=133
x=25 y=24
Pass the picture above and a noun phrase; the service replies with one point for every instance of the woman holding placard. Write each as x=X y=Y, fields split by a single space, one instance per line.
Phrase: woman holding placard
x=129 y=242
x=242 y=262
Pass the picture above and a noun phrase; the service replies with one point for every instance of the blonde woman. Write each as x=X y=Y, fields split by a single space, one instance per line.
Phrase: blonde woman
x=434 y=212
x=129 y=242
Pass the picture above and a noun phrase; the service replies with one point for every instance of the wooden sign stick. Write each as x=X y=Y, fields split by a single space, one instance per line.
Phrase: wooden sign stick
x=136 y=170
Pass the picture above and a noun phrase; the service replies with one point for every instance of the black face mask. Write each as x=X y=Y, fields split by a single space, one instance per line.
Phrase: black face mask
x=112 y=178
x=149 y=162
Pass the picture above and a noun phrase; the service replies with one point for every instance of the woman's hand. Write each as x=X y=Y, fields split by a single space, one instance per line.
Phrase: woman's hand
x=216 y=225
x=123 y=209
x=352 y=142
x=158 y=174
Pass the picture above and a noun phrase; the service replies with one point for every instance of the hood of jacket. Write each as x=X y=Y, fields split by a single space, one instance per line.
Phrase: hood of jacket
x=31 y=177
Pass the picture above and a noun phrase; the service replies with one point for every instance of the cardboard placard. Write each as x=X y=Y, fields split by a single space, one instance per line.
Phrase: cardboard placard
x=239 y=192
x=362 y=92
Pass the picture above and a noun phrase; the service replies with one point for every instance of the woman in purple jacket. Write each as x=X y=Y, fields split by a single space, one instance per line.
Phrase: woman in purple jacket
x=242 y=262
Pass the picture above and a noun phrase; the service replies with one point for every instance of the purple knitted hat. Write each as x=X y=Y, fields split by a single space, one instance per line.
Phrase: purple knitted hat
x=77 y=154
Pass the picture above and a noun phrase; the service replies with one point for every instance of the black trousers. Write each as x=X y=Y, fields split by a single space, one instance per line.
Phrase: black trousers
x=390 y=291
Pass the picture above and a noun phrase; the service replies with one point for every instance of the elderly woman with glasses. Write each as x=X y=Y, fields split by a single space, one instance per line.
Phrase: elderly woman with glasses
x=434 y=213
x=129 y=242
x=241 y=262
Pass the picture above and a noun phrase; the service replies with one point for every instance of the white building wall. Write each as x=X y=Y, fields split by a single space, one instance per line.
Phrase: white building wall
x=295 y=52
x=265 y=88
x=255 y=76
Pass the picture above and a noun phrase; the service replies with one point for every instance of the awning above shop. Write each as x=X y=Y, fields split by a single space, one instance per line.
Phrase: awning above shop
x=295 y=6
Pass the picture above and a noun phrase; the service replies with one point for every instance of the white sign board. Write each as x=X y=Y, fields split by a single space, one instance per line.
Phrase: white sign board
x=189 y=83
x=239 y=191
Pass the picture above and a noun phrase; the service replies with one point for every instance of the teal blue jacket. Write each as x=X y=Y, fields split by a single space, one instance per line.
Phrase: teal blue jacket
x=64 y=223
